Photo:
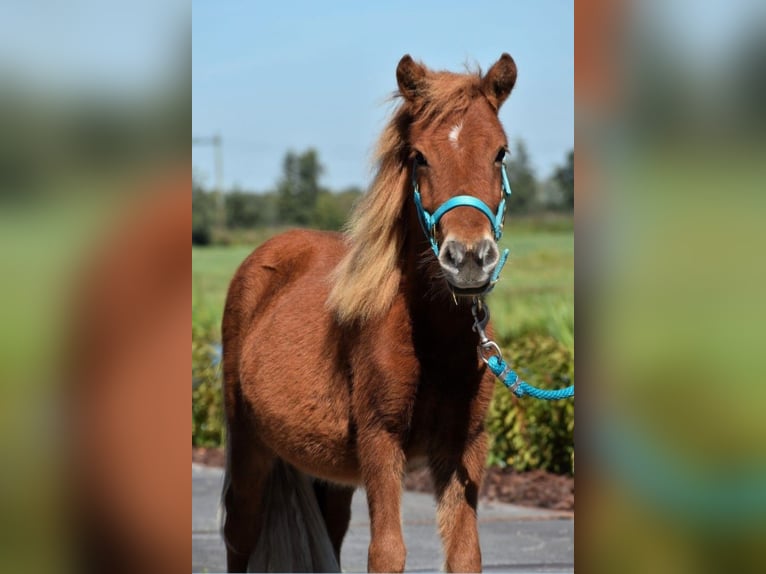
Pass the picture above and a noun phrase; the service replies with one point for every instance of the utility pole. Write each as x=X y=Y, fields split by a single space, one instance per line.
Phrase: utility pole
x=217 y=144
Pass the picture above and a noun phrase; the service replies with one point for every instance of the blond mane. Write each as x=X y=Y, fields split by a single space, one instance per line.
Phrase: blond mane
x=366 y=281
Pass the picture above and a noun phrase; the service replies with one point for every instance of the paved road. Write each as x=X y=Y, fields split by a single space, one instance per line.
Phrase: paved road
x=513 y=538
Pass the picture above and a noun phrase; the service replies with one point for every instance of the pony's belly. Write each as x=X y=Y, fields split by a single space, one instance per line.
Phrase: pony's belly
x=343 y=470
x=315 y=451
x=309 y=428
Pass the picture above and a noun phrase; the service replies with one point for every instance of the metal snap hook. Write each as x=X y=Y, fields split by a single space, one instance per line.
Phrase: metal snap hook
x=486 y=349
x=479 y=325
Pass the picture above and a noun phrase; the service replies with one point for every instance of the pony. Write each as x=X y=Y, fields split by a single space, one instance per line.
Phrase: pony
x=348 y=358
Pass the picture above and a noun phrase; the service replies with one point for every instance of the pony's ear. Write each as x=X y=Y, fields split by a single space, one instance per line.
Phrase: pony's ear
x=499 y=81
x=409 y=76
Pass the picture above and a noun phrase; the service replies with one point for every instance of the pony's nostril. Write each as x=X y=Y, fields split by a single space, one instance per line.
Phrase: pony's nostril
x=452 y=254
x=487 y=254
x=455 y=253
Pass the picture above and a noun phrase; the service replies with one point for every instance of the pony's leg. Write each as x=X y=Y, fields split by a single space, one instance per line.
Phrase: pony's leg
x=248 y=467
x=382 y=462
x=457 y=480
x=335 y=504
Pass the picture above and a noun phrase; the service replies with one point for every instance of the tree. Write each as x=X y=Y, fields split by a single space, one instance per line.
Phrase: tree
x=564 y=175
x=521 y=176
x=332 y=209
x=242 y=210
x=550 y=195
x=298 y=189
x=246 y=210
x=203 y=212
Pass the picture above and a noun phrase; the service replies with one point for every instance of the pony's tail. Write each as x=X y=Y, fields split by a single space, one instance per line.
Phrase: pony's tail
x=293 y=535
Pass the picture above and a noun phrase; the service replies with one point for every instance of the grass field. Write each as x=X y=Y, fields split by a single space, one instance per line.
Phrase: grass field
x=535 y=293
x=536 y=289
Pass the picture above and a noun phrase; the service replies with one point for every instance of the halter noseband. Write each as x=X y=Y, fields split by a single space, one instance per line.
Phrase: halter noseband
x=429 y=221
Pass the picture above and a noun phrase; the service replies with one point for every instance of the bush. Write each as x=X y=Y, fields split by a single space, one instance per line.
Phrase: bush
x=530 y=433
x=207 y=400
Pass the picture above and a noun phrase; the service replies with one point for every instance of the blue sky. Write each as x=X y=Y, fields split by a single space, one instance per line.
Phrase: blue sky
x=273 y=76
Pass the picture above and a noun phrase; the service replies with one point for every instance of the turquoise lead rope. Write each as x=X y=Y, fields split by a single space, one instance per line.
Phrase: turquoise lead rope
x=490 y=353
x=519 y=388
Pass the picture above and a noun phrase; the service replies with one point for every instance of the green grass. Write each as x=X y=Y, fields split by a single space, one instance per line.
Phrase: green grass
x=212 y=269
x=536 y=289
x=535 y=293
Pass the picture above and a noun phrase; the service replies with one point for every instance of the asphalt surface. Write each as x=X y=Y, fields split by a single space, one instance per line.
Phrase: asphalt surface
x=513 y=538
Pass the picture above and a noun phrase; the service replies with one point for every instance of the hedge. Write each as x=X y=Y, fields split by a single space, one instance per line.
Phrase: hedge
x=529 y=433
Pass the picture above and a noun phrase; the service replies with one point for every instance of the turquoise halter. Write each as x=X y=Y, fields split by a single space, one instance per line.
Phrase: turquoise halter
x=429 y=221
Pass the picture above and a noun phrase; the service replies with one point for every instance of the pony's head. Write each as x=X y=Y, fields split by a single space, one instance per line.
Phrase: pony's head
x=446 y=141
x=455 y=147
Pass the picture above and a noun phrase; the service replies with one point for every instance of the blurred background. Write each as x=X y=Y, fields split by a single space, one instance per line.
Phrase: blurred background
x=95 y=106
x=670 y=171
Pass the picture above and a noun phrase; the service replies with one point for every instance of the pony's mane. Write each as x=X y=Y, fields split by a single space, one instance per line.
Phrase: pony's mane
x=367 y=279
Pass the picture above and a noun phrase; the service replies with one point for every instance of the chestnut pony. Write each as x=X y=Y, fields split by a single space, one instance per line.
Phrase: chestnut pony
x=347 y=358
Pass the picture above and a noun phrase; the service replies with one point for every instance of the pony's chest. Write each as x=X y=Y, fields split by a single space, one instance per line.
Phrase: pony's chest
x=447 y=399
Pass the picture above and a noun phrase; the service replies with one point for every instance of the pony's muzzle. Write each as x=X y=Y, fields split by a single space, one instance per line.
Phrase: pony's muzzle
x=468 y=267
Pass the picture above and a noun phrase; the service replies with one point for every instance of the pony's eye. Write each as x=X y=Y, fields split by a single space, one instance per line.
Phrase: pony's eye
x=420 y=159
x=500 y=155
